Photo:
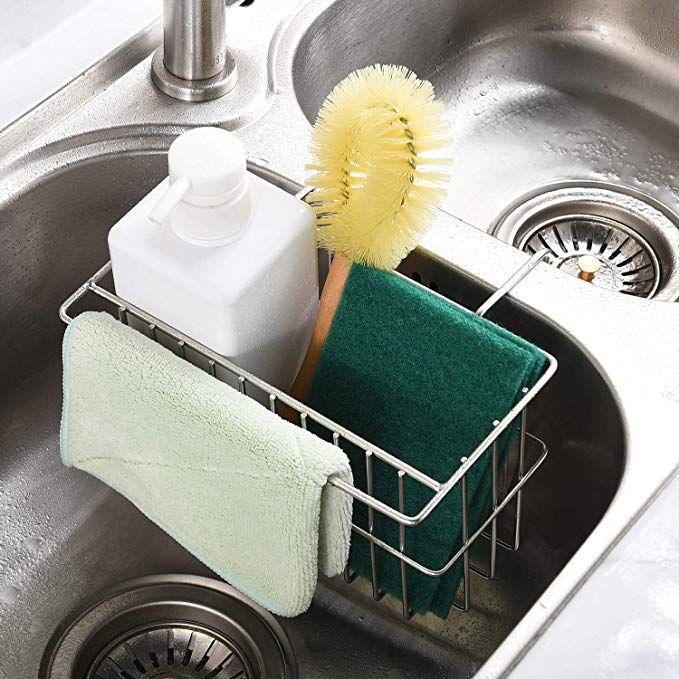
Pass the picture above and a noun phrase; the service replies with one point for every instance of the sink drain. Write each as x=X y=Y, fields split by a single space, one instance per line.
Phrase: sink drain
x=634 y=239
x=170 y=627
x=175 y=651
x=628 y=264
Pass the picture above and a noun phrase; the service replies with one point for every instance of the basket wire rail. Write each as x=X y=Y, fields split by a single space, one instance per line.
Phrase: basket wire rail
x=248 y=384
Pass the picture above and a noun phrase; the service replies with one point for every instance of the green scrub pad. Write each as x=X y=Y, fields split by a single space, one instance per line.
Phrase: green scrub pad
x=422 y=379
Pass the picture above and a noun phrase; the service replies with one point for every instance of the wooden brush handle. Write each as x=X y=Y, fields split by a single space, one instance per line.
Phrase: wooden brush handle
x=330 y=299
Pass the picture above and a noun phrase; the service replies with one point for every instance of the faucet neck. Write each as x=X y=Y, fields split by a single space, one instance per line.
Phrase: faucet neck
x=194 y=63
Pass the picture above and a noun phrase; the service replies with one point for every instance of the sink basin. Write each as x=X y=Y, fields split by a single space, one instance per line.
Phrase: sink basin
x=541 y=94
x=66 y=536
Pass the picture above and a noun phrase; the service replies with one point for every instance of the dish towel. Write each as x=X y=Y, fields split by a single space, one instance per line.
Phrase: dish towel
x=422 y=379
x=242 y=489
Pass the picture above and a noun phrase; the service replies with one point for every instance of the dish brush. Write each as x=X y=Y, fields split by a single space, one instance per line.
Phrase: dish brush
x=380 y=165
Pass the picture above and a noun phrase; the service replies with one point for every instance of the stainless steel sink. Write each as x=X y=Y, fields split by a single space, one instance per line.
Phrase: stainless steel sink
x=74 y=165
x=541 y=94
x=68 y=536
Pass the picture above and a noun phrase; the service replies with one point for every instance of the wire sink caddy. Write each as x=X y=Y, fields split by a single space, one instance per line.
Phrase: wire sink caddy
x=506 y=489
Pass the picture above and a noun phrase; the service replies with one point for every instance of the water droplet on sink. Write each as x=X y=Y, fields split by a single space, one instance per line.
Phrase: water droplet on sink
x=33 y=545
x=9 y=594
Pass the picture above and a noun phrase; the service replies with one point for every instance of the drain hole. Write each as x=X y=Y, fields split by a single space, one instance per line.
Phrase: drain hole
x=123 y=659
x=634 y=238
x=135 y=660
x=189 y=651
x=170 y=626
x=626 y=260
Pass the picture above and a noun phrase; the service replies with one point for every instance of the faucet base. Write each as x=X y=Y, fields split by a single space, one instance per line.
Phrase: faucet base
x=193 y=90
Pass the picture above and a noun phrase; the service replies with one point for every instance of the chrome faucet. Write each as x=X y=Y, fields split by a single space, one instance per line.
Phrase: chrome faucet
x=194 y=63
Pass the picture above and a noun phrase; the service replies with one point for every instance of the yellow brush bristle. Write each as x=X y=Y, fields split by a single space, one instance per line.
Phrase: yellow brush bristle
x=380 y=165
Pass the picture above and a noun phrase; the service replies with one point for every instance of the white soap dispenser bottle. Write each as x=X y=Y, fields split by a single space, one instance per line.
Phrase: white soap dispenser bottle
x=223 y=256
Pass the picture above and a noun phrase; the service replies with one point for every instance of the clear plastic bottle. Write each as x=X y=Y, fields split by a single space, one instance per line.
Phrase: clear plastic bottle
x=223 y=256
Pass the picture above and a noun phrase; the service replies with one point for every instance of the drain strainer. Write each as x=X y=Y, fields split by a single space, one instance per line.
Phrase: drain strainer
x=175 y=651
x=170 y=627
x=627 y=262
x=633 y=238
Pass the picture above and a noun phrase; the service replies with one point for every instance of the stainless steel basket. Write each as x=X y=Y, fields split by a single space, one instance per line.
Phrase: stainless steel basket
x=525 y=463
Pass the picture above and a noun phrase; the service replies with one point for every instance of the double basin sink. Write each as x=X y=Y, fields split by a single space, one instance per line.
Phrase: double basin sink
x=543 y=97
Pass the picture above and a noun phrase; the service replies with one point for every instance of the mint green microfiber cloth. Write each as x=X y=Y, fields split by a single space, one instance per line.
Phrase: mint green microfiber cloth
x=239 y=487
x=422 y=379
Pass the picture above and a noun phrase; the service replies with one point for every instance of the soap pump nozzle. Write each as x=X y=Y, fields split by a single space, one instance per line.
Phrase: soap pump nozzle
x=207 y=197
x=175 y=192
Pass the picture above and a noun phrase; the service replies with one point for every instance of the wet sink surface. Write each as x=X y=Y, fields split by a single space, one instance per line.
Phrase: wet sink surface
x=538 y=92
x=65 y=536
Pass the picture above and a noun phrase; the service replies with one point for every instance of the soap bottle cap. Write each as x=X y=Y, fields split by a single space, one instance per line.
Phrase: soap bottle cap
x=207 y=169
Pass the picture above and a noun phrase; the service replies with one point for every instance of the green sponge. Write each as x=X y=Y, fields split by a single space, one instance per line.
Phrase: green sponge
x=422 y=379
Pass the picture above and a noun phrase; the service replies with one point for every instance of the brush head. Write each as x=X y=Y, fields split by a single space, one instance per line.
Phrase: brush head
x=380 y=165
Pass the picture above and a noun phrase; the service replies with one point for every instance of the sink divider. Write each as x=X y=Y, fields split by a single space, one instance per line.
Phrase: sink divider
x=504 y=491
